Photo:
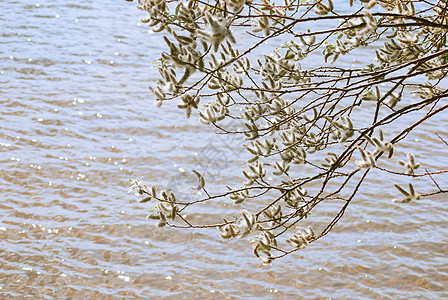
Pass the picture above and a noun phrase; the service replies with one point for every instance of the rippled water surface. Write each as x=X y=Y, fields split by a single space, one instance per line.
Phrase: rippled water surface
x=77 y=121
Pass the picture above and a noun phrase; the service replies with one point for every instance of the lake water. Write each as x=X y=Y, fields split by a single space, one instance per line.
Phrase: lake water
x=77 y=121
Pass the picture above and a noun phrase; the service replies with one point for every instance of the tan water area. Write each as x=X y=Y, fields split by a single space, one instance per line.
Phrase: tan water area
x=77 y=121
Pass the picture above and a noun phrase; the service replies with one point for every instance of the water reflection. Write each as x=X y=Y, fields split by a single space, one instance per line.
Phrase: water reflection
x=77 y=121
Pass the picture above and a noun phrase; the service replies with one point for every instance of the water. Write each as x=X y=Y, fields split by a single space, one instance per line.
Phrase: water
x=77 y=121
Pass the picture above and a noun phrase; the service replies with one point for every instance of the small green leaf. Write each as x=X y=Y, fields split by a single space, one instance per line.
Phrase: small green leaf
x=144 y=200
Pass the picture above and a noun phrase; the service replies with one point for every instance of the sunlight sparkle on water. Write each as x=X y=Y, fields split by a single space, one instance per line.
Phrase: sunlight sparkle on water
x=125 y=278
